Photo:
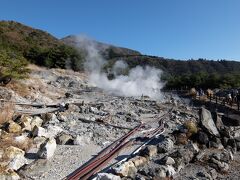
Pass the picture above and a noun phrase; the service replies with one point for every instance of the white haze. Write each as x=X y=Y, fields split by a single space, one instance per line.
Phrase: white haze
x=139 y=81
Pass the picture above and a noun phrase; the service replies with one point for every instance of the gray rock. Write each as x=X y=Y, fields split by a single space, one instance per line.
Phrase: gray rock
x=218 y=121
x=165 y=171
x=37 y=141
x=220 y=166
x=182 y=157
x=232 y=143
x=82 y=140
x=53 y=131
x=165 y=146
x=216 y=143
x=238 y=145
x=139 y=161
x=213 y=174
x=150 y=151
x=208 y=123
x=64 y=139
x=168 y=160
x=204 y=174
x=193 y=147
x=106 y=176
x=231 y=120
x=202 y=138
x=127 y=169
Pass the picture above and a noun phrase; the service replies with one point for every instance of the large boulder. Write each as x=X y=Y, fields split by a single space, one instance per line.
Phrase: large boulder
x=15 y=157
x=47 y=149
x=208 y=123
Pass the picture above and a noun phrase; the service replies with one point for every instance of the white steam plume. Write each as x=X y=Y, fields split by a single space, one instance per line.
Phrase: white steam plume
x=139 y=81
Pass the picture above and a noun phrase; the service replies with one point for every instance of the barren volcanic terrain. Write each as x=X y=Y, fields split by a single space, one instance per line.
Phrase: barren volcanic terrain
x=67 y=121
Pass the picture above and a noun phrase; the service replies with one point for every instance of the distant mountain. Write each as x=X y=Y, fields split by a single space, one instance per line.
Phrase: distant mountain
x=19 y=43
x=107 y=50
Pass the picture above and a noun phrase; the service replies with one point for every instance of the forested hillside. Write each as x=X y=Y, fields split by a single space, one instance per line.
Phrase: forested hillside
x=191 y=73
x=20 y=42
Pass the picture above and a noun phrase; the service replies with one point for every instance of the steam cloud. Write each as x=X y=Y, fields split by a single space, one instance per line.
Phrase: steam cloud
x=139 y=81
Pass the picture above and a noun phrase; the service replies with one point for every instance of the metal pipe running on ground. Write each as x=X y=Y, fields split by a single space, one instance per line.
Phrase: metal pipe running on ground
x=105 y=161
x=99 y=158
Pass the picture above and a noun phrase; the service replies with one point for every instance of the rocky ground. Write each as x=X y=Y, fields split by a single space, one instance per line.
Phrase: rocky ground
x=195 y=144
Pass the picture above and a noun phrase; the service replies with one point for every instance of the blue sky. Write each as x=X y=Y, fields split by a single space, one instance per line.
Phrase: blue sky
x=180 y=29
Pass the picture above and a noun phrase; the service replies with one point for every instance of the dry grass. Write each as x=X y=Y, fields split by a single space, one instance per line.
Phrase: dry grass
x=6 y=112
x=18 y=87
x=191 y=127
x=9 y=140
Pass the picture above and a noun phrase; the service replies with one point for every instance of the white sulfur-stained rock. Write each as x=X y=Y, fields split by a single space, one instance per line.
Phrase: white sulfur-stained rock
x=53 y=131
x=39 y=131
x=47 y=149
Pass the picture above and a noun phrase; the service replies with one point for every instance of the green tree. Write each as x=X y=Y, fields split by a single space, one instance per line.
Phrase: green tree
x=13 y=65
